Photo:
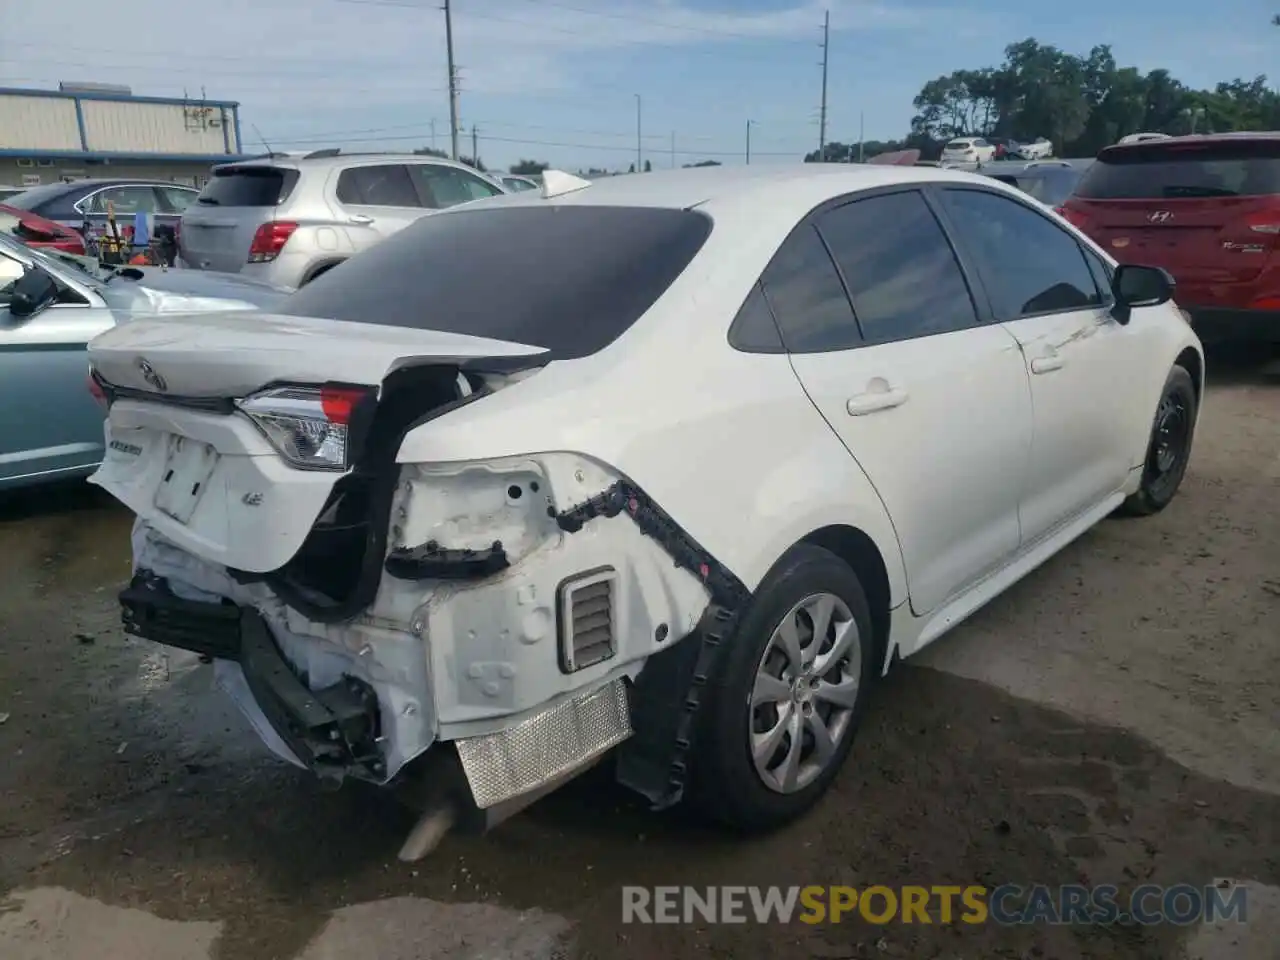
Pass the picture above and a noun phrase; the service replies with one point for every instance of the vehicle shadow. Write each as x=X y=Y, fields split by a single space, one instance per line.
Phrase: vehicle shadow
x=1232 y=365
x=63 y=497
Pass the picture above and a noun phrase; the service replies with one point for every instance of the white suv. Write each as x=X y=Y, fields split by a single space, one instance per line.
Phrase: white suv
x=968 y=150
x=286 y=220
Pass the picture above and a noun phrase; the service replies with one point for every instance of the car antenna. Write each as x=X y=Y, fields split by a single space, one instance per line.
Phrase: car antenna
x=270 y=152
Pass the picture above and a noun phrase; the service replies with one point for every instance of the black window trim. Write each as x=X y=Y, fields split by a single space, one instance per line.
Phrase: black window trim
x=983 y=312
x=958 y=241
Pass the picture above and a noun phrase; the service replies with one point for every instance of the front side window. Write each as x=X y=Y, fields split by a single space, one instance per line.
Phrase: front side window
x=808 y=299
x=377 y=185
x=1029 y=265
x=899 y=267
x=442 y=186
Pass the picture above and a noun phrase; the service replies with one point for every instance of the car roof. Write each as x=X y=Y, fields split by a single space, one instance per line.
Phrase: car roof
x=782 y=191
x=1265 y=136
x=328 y=160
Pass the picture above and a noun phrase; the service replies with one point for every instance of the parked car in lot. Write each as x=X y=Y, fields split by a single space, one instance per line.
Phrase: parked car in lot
x=968 y=150
x=516 y=183
x=414 y=517
x=1049 y=182
x=289 y=219
x=1005 y=147
x=36 y=231
x=83 y=204
x=1206 y=208
x=51 y=305
x=1038 y=149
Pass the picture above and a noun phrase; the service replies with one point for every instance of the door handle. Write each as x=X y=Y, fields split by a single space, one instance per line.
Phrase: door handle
x=1047 y=364
x=874 y=401
x=359 y=219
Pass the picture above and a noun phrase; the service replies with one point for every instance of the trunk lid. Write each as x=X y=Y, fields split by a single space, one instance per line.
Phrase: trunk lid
x=183 y=458
x=218 y=228
x=1206 y=209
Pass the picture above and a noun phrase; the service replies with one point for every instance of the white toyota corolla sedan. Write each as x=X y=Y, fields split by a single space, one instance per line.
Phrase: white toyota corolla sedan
x=715 y=449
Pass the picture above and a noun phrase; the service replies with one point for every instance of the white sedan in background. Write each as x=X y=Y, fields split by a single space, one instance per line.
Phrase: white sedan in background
x=685 y=485
x=968 y=150
x=1038 y=149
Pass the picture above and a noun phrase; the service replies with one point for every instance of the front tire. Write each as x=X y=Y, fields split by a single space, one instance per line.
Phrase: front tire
x=779 y=726
x=1169 y=449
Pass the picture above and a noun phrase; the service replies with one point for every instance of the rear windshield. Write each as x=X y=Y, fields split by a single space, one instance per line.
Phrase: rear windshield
x=958 y=144
x=248 y=187
x=1169 y=169
x=573 y=280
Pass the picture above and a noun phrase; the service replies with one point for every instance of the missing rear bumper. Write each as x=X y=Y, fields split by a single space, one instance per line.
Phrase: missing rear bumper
x=335 y=731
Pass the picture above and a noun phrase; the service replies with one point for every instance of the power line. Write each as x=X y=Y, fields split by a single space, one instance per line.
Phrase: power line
x=711 y=31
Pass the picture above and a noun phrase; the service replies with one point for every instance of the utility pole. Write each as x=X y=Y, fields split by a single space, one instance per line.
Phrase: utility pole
x=639 y=164
x=433 y=133
x=673 y=149
x=749 y=122
x=822 y=110
x=453 y=82
x=475 y=147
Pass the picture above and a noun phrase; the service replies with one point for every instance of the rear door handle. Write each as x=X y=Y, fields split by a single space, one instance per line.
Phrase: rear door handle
x=874 y=401
x=360 y=219
x=1047 y=364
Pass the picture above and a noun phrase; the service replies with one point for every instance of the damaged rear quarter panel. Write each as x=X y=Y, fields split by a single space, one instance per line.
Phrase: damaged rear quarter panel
x=493 y=644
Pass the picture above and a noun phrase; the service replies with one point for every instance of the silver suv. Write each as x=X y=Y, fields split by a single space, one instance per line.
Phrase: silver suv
x=287 y=219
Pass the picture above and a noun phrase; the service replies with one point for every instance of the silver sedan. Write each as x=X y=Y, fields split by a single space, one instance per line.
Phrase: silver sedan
x=51 y=305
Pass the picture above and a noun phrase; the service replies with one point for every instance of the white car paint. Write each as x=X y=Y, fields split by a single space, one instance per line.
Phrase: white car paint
x=966 y=459
x=1038 y=149
x=968 y=150
x=1143 y=137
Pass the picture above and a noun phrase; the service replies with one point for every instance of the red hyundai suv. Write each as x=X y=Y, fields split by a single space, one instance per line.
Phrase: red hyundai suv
x=1207 y=209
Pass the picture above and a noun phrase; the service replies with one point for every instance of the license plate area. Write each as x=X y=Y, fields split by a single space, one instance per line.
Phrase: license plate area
x=188 y=466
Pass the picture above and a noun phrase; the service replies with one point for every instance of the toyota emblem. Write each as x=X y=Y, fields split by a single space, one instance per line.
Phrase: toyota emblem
x=1160 y=216
x=149 y=374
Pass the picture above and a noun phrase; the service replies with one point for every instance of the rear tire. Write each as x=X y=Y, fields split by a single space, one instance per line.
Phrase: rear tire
x=776 y=730
x=1169 y=448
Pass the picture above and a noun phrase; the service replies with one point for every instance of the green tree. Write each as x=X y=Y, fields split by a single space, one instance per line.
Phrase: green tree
x=703 y=163
x=648 y=167
x=529 y=168
x=474 y=162
x=431 y=152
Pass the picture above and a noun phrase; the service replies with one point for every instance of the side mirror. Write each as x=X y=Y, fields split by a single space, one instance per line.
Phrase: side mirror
x=1139 y=286
x=31 y=293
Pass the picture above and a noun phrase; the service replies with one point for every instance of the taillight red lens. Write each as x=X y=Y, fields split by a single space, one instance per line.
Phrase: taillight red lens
x=269 y=240
x=1073 y=217
x=1264 y=221
x=96 y=390
x=339 y=402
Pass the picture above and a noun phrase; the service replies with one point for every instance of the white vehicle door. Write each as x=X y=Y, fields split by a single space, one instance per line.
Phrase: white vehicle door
x=1079 y=359
x=932 y=403
x=378 y=199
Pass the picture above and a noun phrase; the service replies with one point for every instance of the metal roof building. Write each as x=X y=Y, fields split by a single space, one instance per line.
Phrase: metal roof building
x=99 y=130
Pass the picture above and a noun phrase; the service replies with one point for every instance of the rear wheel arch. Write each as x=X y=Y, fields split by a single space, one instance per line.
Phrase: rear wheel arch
x=319 y=269
x=861 y=553
x=1191 y=361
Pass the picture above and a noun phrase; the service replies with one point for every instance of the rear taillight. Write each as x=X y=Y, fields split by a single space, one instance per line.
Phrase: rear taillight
x=95 y=389
x=269 y=240
x=311 y=427
x=1264 y=221
x=1073 y=217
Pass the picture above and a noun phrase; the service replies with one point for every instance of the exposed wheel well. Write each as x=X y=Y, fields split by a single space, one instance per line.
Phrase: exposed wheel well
x=1190 y=360
x=323 y=268
x=859 y=551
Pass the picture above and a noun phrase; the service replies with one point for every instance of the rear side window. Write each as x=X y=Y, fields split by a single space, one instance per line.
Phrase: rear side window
x=1170 y=169
x=377 y=185
x=899 y=267
x=807 y=297
x=248 y=187
x=596 y=272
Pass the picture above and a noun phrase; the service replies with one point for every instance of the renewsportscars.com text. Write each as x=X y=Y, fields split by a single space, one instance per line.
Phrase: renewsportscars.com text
x=1008 y=904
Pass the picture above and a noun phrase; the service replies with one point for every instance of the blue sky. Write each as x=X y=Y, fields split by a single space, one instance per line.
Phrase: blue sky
x=557 y=80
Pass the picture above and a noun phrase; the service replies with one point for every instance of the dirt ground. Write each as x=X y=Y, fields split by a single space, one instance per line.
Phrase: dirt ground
x=1113 y=718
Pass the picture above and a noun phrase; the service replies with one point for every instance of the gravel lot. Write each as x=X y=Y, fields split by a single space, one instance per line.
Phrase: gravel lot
x=1114 y=718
